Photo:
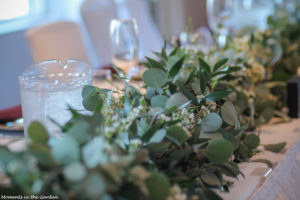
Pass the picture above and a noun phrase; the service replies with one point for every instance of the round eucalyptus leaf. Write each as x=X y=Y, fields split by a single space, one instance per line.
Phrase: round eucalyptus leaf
x=37 y=133
x=94 y=186
x=155 y=78
x=218 y=150
x=177 y=99
x=252 y=141
x=79 y=131
x=89 y=90
x=158 y=186
x=177 y=135
x=159 y=101
x=211 y=122
x=93 y=102
x=65 y=150
x=267 y=114
x=92 y=152
x=74 y=172
x=229 y=114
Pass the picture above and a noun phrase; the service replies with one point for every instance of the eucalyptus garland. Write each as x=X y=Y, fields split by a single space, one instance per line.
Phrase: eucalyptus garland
x=269 y=58
x=181 y=137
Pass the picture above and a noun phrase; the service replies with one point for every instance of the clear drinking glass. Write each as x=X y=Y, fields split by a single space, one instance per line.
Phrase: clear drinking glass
x=125 y=44
x=49 y=88
x=220 y=19
x=252 y=13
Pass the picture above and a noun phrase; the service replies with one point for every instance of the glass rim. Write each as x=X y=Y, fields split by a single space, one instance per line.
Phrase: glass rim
x=124 y=20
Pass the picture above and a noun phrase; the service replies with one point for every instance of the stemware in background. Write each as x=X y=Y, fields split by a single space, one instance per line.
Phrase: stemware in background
x=252 y=13
x=125 y=45
x=220 y=19
x=49 y=88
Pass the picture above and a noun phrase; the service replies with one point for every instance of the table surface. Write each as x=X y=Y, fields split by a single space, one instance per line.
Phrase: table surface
x=246 y=188
x=243 y=188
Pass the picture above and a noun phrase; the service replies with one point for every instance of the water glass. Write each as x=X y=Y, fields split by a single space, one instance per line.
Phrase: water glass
x=125 y=44
x=48 y=90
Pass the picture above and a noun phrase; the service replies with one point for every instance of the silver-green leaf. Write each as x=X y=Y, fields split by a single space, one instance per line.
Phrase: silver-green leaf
x=155 y=78
x=211 y=123
x=229 y=114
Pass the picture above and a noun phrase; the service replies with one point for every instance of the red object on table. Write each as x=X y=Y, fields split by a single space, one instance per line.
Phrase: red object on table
x=11 y=114
x=108 y=67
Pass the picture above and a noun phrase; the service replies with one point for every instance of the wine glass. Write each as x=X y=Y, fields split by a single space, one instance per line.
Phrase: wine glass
x=220 y=19
x=252 y=13
x=125 y=45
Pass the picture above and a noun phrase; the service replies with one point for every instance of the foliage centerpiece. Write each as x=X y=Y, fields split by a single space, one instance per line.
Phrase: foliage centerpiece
x=180 y=139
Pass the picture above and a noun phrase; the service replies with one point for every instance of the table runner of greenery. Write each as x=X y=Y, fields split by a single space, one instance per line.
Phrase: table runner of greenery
x=180 y=139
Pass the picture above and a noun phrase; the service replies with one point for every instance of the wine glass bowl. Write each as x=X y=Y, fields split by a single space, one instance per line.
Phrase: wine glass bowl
x=220 y=19
x=125 y=44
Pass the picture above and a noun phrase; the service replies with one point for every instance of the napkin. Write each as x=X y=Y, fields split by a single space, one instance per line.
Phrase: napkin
x=11 y=114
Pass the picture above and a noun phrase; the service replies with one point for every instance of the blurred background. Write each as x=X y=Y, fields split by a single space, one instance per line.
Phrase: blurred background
x=169 y=17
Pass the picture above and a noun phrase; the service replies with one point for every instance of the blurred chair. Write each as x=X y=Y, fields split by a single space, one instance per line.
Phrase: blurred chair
x=59 y=40
x=97 y=15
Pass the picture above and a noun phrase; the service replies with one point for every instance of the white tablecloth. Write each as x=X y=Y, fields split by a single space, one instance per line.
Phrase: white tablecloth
x=283 y=183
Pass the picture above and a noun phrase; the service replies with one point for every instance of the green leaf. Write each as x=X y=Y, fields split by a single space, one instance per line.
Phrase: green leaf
x=154 y=64
x=177 y=135
x=37 y=133
x=186 y=92
x=176 y=68
x=94 y=186
x=276 y=148
x=203 y=65
x=226 y=70
x=79 y=131
x=93 y=102
x=265 y=161
x=177 y=99
x=211 y=122
x=6 y=156
x=93 y=152
x=158 y=186
x=150 y=132
x=65 y=150
x=42 y=154
x=211 y=178
x=157 y=147
x=229 y=114
x=218 y=150
x=220 y=63
x=252 y=141
x=218 y=95
x=229 y=170
x=158 y=136
x=159 y=101
x=155 y=78
x=89 y=90
x=230 y=137
x=74 y=172
x=267 y=114
x=203 y=81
